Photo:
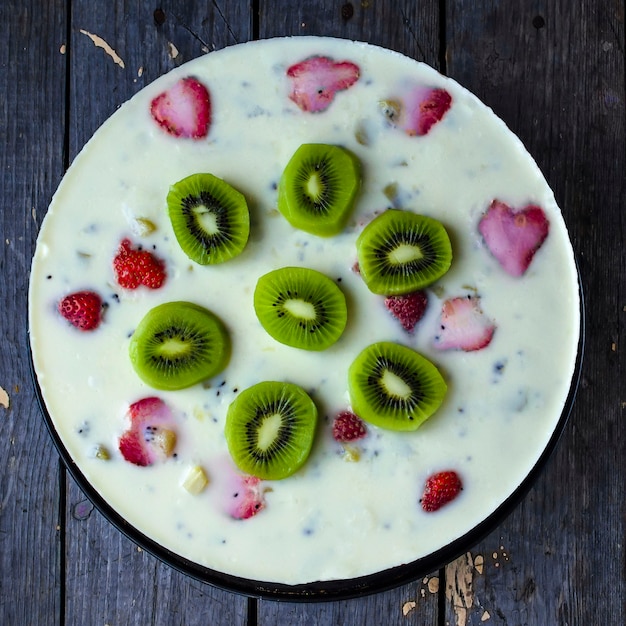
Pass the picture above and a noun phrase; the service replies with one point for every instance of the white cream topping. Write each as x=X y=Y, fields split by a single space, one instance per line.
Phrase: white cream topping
x=333 y=518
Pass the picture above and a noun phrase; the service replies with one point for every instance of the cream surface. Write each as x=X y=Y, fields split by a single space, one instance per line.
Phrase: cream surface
x=334 y=518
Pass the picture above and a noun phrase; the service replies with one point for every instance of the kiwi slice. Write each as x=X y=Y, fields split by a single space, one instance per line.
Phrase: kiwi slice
x=300 y=307
x=210 y=218
x=318 y=188
x=394 y=387
x=270 y=429
x=400 y=252
x=178 y=344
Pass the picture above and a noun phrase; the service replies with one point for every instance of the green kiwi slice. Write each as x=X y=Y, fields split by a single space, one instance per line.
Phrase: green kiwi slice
x=270 y=429
x=400 y=252
x=300 y=307
x=210 y=218
x=178 y=344
x=318 y=188
x=394 y=387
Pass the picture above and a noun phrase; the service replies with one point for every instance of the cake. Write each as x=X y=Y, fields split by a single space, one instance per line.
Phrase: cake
x=500 y=325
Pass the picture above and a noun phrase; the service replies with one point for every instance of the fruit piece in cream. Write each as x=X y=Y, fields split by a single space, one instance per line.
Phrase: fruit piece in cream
x=502 y=403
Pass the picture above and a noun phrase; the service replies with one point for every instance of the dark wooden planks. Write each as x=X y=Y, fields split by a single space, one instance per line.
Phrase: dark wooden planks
x=31 y=131
x=108 y=579
x=554 y=72
x=413 y=29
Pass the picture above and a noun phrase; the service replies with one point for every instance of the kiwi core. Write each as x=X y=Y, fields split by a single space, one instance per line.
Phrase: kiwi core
x=269 y=430
x=405 y=253
x=395 y=386
x=300 y=309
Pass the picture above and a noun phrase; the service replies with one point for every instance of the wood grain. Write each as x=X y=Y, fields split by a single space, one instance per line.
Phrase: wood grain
x=108 y=580
x=31 y=131
x=556 y=76
x=554 y=72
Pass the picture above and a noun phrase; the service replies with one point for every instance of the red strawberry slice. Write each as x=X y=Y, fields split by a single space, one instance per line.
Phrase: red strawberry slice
x=134 y=267
x=184 y=110
x=424 y=108
x=513 y=237
x=439 y=489
x=408 y=309
x=247 y=497
x=463 y=325
x=82 y=309
x=151 y=437
x=348 y=427
x=316 y=81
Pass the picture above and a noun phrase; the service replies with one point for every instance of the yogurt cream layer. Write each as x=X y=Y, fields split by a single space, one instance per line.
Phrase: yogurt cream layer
x=338 y=516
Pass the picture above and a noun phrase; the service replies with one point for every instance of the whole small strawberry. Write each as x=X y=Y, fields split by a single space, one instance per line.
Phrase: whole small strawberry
x=440 y=488
x=82 y=309
x=348 y=427
x=134 y=267
x=408 y=309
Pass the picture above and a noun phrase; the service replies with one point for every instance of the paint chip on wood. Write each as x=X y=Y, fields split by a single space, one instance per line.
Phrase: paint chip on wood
x=101 y=43
x=4 y=398
x=63 y=48
x=479 y=562
x=485 y=616
x=433 y=584
x=172 y=50
x=407 y=607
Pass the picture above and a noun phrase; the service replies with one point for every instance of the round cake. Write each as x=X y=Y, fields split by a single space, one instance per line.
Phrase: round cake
x=483 y=349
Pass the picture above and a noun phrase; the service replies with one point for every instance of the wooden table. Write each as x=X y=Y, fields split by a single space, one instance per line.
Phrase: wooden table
x=554 y=71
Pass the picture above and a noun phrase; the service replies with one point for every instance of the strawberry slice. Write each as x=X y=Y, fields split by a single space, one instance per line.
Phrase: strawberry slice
x=151 y=437
x=348 y=427
x=134 y=267
x=247 y=497
x=424 y=108
x=463 y=325
x=408 y=309
x=439 y=489
x=316 y=80
x=82 y=309
x=184 y=110
x=512 y=236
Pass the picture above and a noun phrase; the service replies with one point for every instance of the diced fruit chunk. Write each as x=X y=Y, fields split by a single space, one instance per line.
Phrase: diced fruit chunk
x=150 y=437
x=316 y=80
x=82 y=309
x=424 y=108
x=463 y=325
x=184 y=110
x=196 y=480
x=513 y=237
x=439 y=489
x=247 y=498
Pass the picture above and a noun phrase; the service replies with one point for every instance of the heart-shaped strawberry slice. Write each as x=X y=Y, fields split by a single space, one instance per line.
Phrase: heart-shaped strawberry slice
x=317 y=79
x=184 y=110
x=513 y=237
